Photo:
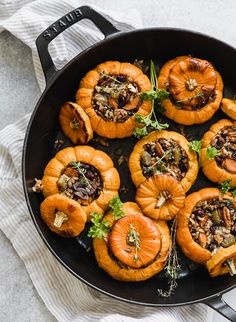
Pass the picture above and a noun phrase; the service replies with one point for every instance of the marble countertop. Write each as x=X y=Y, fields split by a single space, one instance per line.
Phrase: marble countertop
x=19 y=92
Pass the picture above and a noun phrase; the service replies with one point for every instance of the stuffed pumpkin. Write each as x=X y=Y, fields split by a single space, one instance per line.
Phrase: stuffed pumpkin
x=136 y=247
x=195 y=90
x=218 y=154
x=206 y=223
x=83 y=174
x=228 y=106
x=110 y=95
x=163 y=152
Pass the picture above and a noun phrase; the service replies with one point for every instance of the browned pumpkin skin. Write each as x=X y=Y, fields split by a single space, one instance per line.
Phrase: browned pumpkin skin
x=85 y=92
x=100 y=160
x=228 y=106
x=216 y=264
x=209 y=167
x=184 y=116
x=190 y=248
x=72 y=209
x=148 y=194
x=107 y=263
x=135 y=158
x=75 y=123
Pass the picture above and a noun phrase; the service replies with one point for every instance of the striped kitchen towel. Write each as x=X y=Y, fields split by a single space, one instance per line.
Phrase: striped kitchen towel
x=67 y=298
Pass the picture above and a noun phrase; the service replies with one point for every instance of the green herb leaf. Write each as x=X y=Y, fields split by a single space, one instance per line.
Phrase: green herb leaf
x=225 y=186
x=81 y=171
x=116 y=204
x=212 y=152
x=100 y=228
x=172 y=268
x=196 y=146
x=156 y=95
x=233 y=193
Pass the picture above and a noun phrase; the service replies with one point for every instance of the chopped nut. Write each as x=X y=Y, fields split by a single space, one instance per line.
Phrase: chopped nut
x=37 y=186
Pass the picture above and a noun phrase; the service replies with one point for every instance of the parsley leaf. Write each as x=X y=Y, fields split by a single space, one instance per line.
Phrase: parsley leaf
x=225 y=186
x=155 y=95
x=100 y=228
x=115 y=204
x=212 y=152
x=196 y=146
x=233 y=193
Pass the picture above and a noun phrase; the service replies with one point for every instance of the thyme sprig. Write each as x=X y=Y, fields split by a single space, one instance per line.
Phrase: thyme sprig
x=172 y=268
x=189 y=99
x=81 y=171
x=159 y=160
x=150 y=121
x=103 y=75
x=134 y=240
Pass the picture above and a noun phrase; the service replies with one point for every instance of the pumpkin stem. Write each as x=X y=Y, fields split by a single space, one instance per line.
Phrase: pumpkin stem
x=191 y=84
x=74 y=124
x=161 y=200
x=60 y=218
x=231 y=266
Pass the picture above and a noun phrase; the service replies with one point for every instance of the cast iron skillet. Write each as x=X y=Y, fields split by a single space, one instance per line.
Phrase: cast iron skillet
x=160 y=44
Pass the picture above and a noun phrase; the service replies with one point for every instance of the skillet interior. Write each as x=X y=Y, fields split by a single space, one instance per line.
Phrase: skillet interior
x=160 y=45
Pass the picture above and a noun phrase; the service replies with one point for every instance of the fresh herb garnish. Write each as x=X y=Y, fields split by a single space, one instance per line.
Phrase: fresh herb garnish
x=134 y=240
x=100 y=228
x=212 y=152
x=104 y=75
x=116 y=204
x=172 y=268
x=158 y=161
x=196 y=146
x=150 y=121
x=189 y=99
x=77 y=166
x=225 y=187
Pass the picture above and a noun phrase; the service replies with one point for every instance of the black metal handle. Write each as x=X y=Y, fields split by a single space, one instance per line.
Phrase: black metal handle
x=62 y=24
x=218 y=304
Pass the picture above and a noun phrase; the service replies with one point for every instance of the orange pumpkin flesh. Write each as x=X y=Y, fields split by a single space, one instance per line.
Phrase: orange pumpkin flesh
x=197 y=239
x=136 y=157
x=228 y=106
x=75 y=123
x=101 y=95
x=195 y=87
x=222 y=136
x=60 y=164
x=63 y=216
x=223 y=262
x=114 y=256
x=122 y=244
x=160 y=197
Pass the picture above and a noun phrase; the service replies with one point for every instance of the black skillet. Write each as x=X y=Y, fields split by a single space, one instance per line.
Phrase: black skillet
x=159 y=44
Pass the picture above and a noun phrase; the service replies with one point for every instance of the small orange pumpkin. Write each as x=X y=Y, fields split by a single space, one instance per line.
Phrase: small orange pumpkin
x=110 y=96
x=160 y=197
x=178 y=148
x=63 y=216
x=204 y=209
x=195 y=87
x=228 y=106
x=59 y=172
x=222 y=136
x=119 y=256
x=223 y=262
x=75 y=123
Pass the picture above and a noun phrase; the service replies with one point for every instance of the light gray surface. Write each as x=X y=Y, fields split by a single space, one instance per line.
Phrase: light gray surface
x=19 y=91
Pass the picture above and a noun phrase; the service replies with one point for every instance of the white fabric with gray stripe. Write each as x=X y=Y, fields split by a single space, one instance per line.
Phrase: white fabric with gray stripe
x=66 y=297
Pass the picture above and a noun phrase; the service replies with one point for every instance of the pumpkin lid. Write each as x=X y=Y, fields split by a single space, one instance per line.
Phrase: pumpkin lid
x=63 y=216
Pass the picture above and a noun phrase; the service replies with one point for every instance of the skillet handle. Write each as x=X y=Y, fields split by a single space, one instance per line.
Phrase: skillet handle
x=43 y=40
x=218 y=304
